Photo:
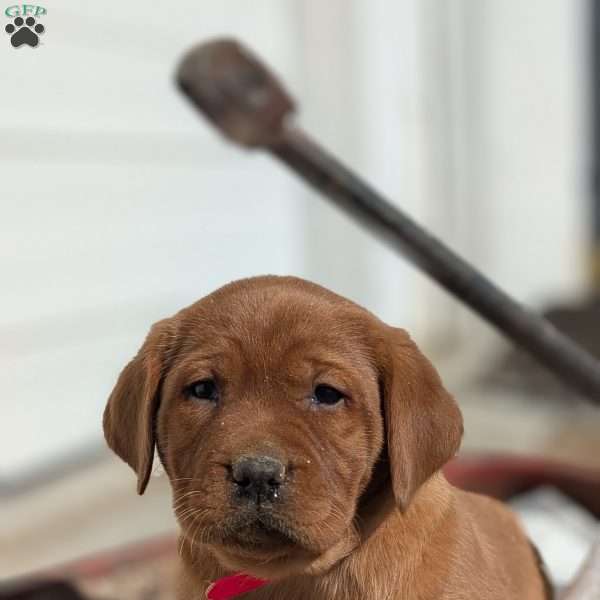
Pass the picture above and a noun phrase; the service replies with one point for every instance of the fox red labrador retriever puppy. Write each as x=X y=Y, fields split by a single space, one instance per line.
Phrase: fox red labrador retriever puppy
x=303 y=439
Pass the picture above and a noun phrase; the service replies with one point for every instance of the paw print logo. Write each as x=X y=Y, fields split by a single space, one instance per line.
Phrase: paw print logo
x=24 y=32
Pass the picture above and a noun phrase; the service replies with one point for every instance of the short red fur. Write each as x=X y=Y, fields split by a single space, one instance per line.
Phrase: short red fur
x=362 y=510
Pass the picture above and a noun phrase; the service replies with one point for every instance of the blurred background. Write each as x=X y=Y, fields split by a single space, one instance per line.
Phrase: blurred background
x=120 y=206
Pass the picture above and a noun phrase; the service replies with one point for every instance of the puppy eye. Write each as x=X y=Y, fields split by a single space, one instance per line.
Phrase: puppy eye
x=325 y=394
x=205 y=389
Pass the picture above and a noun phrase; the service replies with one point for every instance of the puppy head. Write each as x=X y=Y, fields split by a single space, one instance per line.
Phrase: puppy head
x=272 y=403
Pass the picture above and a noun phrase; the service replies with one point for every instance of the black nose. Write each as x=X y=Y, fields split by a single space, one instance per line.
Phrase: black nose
x=258 y=478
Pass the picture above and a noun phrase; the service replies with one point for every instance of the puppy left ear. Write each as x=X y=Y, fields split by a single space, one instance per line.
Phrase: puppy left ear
x=424 y=425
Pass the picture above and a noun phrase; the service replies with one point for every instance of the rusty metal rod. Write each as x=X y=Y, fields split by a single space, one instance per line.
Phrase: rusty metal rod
x=246 y=103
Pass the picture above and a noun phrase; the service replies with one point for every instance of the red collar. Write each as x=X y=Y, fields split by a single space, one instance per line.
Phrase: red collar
x=232 y=586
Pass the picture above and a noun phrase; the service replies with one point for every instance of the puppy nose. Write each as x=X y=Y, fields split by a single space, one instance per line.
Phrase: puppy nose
x=258 y=478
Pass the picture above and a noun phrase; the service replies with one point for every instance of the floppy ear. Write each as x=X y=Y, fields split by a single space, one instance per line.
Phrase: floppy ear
x=424 y=425
x=132 y=406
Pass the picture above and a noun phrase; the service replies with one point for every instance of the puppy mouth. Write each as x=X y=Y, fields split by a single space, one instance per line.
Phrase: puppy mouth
x=261 y=532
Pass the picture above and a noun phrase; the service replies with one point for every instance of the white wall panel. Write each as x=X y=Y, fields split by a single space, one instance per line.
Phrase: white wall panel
x=119 y=205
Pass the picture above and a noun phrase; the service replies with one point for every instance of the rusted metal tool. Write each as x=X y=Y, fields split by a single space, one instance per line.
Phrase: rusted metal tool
x=245 y=101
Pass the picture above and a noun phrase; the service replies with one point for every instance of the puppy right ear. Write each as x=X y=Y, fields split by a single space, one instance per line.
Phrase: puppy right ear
x=132 y=406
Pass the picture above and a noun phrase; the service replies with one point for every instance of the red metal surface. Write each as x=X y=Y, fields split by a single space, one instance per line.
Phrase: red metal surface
x=504 y=476
x=103 y=563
